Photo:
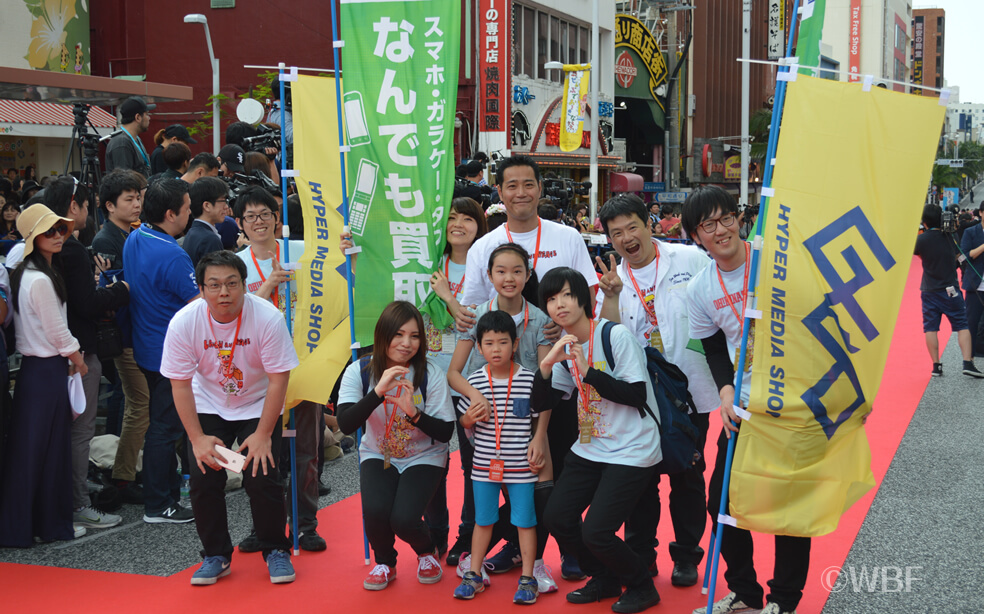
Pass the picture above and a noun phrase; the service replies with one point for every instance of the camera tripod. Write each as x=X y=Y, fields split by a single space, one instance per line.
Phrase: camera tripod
x=87 y=146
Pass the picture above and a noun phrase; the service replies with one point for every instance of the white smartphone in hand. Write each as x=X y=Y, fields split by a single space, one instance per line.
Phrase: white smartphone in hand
x=233 y=461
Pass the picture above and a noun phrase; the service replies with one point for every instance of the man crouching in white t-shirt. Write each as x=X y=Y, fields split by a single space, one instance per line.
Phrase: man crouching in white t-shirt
x=229 y=359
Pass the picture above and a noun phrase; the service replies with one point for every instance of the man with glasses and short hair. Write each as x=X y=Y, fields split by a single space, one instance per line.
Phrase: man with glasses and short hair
x=229 y=358
x=258 y=214
x=85 y=304
x=716 y=298
x=209 y=201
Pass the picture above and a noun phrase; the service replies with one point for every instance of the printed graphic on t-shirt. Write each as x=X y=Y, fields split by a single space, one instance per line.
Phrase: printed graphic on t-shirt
x=398 y=444
x=592 y=414
x=232 y=376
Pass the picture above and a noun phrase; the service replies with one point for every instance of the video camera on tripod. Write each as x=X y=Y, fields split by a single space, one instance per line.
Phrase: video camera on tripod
x=562 y=191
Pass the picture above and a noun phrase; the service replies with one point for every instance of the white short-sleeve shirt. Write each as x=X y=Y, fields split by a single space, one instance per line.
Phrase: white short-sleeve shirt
x=621 y=434
x=559 y=246
x=408 y=445
x=709 y=311
x=231 y=383
x=663 y=285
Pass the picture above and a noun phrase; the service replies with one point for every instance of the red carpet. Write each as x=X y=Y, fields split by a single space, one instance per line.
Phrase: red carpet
x=332 y=581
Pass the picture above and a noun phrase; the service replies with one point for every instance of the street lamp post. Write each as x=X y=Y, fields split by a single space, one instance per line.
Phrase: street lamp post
x=593 y=124
x=199 y=18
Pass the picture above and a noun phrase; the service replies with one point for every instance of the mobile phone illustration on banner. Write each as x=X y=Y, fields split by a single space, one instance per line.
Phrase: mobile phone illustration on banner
x=355 y=120
x=365 y=187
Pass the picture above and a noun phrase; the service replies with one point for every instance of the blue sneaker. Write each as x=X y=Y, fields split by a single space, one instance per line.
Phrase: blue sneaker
x=281 y=571
x=508 y=557
x=212 y=569
x=570 y=569
x=470 y=585
x=527 y=592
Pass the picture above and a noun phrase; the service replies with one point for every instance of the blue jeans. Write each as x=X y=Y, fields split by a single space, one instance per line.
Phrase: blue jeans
x=161 y=482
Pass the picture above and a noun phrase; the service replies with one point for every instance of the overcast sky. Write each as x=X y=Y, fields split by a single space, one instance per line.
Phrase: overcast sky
x=963 y=53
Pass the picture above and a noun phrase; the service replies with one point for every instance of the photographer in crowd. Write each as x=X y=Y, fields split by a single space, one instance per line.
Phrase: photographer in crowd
x=202 y=165
x=126 y=150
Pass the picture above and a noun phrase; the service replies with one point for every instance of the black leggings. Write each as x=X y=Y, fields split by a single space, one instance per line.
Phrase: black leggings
x=393 y=505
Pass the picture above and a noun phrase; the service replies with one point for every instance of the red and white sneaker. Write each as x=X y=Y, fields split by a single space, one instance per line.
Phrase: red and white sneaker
x=379 y=578
x=428 y=568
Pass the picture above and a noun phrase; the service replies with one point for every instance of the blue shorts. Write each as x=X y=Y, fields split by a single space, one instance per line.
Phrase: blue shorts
x=937 y=303
x=520 y=500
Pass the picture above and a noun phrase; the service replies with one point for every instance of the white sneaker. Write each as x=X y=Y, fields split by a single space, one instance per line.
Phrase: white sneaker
x=79 y=531
x=730 y=604
x=92 y=518
x=544 y=579
x=773 y=608
x=464 y=564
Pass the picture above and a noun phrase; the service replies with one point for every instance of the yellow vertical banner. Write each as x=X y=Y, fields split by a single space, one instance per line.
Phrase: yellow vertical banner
x=850 y=180
x=321 y=331
x=575 y=104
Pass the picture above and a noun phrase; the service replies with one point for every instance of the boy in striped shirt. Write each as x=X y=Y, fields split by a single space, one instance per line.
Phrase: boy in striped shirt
x=504 y=455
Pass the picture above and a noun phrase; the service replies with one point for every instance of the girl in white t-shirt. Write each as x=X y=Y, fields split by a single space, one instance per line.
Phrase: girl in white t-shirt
x=406 y=412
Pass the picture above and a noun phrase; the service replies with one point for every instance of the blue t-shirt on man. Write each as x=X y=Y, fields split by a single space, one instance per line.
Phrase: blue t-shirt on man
x=162 y=281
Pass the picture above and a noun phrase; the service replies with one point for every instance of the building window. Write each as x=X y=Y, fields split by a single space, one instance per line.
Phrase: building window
x=529 y=41
x=585 y=45
x=555 y=47
x=542 y=37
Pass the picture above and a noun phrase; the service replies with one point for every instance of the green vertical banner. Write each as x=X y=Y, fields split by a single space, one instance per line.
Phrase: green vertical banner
x=810 y=34
x=400 y=68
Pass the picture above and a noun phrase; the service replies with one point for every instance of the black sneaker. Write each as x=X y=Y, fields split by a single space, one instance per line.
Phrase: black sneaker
x=174 y=514
x=595 y=590
x=310 y=541
x=971 y=370
x=636 y=600
x=461 y=546
x=323 y=489
x=131 y=492
x=937 y=369
x=251 y=543
x=684 y=574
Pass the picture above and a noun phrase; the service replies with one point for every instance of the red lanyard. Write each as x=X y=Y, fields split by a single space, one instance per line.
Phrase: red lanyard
x=536 y=252
x=744 y=290
x=392 y=416
x=460 y=285
x=226 y=370
x=651 y=311
x=495 y=409
x=276 y=291
x=578 y=378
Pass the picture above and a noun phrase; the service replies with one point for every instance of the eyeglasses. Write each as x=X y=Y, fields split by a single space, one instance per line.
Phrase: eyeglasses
x=266 y=216
x=727 y=220
x=232 y=286
x=61 y=230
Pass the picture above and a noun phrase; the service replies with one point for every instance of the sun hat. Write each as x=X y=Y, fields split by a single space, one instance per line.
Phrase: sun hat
x=36 y=220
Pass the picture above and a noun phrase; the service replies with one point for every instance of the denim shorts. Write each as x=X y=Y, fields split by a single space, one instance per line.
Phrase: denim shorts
x=937 y=303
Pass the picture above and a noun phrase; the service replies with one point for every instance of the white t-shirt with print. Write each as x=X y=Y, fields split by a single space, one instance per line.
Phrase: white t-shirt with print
x=230 y=383
x=709 y=312
x=663 y=284
x=254 y=280
x=408 y=445
x=560 y=246
x=621 y=434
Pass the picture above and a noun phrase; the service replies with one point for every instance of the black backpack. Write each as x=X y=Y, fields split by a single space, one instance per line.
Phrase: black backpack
x=677 y=433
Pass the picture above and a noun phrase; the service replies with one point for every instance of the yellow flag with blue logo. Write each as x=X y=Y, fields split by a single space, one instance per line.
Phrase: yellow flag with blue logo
x=575 y=104
x=851 y=173
x=321 y=329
